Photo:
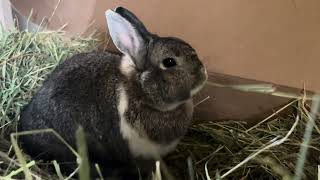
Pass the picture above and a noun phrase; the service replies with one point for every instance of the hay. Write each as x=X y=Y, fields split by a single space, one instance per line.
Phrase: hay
x=25 y=60
x=221 y=146
x=269 y=150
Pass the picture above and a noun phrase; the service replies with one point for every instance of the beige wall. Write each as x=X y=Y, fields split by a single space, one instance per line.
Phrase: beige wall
x=275 y=41
x=269 y=40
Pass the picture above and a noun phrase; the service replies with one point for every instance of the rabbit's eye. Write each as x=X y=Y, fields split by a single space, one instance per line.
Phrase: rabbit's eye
x=169 y=62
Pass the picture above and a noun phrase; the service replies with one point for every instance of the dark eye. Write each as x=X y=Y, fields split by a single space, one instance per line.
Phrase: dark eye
x=169 y=62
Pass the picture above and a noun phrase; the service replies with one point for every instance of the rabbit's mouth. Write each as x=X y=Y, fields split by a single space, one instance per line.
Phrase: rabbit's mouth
x=195 y=90
x=199 y=84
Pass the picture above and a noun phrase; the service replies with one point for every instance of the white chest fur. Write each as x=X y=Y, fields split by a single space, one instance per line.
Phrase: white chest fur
x=139 y=145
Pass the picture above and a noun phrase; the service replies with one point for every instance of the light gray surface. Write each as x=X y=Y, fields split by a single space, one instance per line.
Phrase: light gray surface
x=6 y=19
x=9 y=15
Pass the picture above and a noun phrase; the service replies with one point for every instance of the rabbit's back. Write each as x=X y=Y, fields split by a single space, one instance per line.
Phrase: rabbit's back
x=80 y=91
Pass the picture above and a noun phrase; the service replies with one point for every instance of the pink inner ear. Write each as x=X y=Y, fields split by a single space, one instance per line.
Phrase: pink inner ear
x=125 y=41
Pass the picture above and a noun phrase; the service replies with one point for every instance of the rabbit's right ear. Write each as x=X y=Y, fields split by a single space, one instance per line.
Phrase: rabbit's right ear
x=126 y=37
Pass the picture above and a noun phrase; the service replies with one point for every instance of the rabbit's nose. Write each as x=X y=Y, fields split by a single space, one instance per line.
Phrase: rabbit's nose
x=202 y=68
x=204 y=71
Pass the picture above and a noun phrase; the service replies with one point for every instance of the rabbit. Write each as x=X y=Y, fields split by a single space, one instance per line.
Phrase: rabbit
x=134 y=107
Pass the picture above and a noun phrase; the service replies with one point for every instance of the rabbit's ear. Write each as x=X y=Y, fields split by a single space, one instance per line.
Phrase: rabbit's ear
x=129 y=16
x=126 y=37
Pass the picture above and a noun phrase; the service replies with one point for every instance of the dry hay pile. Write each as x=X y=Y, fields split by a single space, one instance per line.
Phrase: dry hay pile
x=215 y=150
x=269 y=150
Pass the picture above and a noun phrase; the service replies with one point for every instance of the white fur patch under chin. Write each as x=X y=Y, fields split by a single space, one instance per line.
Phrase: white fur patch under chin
x=127 y=66
x=139 y=145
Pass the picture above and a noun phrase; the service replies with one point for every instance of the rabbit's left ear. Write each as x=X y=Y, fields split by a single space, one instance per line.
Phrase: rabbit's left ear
x=135 y=21
x=126 y=37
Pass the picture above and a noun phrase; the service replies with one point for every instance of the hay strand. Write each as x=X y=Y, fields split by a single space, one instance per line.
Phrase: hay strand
x=306 y=139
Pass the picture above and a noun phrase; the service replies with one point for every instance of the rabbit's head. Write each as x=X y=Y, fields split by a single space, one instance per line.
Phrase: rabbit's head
x=167 y=68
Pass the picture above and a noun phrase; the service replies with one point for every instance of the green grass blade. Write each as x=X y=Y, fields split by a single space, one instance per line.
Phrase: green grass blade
x=84 y=172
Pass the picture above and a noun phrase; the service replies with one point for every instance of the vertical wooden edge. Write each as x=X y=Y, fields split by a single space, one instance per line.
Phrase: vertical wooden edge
x=6 y=19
